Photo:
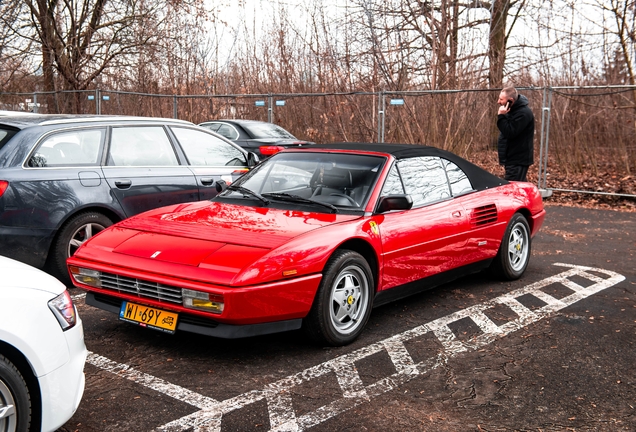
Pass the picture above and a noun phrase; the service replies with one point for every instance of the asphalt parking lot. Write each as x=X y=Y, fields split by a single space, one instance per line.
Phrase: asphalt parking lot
x=552 y=351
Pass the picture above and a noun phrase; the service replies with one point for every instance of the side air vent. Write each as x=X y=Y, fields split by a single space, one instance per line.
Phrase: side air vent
x=484 y=215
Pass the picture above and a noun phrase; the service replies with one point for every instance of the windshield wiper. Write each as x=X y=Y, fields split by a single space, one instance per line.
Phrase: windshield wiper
x=299 y=199
x=249 y=192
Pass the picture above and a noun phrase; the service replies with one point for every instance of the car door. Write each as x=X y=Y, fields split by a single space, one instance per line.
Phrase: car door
x=143 y=171
x=210 y=159
x=427 y=239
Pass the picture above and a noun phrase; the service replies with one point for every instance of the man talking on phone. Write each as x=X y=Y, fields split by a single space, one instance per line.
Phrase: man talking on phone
x=515 y=122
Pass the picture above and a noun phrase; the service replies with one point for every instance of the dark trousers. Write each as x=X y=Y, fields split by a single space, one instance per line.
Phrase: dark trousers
x=516 y=172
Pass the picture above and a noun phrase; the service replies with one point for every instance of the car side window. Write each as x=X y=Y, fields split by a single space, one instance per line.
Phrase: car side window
x=424 y=179
x=81 y=147
x=228 y=132
x=459 y=182
x=141 y=146
x=393 y=184
x=212 y=126
x=205 y=149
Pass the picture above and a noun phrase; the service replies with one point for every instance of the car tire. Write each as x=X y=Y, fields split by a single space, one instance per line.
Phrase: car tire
x=514 y=252
x=344 y=300
x=73 y=234
x=13 y=392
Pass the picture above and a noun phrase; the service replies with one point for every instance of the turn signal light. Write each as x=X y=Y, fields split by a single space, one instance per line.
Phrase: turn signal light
x=270 y=150
x=86 y=276
x=3 y=186
x=203 y=301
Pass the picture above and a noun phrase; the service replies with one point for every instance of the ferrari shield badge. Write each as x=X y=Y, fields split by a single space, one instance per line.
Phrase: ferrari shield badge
x=374 y=227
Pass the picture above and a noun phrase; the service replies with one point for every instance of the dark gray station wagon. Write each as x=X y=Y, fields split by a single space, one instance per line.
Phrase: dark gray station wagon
x=65 y=178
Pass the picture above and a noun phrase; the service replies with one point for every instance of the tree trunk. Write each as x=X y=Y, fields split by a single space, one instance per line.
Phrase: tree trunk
x=497 y=56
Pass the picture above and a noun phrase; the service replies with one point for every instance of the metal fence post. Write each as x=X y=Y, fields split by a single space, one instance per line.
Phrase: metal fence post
x=174 y=107
x=547 y=142
x=270 y=109
x=35 y=102
x=543 y=114
x=381 y=108
x=542 y=181
x=98 y=105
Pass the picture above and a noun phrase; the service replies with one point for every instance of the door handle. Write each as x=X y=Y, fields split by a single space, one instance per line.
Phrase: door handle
x=123 y=184
x=207 y=181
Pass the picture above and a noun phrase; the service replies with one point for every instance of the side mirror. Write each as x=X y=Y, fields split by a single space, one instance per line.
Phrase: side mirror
x=394 y=202
x=252 y=159
x=220 y=186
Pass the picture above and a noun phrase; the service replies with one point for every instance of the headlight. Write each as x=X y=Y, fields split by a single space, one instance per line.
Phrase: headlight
x=64 y=310
x=86 y=276
x=203 y=301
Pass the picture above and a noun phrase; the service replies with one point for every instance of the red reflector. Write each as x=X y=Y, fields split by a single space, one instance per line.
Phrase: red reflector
x=270 y=150
x=240 y=171
x=3 y=186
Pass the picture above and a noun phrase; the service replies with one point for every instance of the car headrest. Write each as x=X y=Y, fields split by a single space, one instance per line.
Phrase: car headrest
x=337 y=178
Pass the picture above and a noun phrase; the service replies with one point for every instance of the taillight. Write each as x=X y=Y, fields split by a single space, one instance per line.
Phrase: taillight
x=64 y=310
x=270 y=150
x=240 y=171
x=3 y=186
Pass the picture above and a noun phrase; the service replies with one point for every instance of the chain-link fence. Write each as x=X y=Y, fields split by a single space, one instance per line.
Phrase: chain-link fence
x=578 y=128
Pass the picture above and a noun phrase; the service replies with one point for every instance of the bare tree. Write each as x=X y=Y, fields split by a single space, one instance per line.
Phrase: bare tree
x=78 y=40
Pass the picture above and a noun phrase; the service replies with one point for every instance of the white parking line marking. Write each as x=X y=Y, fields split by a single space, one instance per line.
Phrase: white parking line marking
x=150 y=381
x=282 y=415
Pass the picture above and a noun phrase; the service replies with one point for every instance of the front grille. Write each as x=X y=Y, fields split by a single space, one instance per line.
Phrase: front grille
x=141 y=288
x=484 y=215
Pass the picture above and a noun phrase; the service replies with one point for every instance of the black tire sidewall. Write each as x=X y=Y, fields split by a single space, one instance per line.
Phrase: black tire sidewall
x=65 y=236
x=13 y=379
x=321 y=328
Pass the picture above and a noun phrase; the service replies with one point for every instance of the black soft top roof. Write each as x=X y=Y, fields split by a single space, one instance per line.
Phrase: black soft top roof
x=479 y=178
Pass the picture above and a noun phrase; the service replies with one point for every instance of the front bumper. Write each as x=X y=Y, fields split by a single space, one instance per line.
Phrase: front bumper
x=62 y=388
x=204 y=326
x=275 y=302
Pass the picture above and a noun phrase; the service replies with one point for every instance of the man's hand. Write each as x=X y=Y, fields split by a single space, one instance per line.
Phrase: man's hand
x=504 y=109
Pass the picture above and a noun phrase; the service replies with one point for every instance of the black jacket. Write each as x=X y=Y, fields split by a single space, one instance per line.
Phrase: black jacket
x=515 y=144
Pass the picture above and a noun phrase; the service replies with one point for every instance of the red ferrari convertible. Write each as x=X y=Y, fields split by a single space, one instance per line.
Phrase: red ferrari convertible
x=313 y=238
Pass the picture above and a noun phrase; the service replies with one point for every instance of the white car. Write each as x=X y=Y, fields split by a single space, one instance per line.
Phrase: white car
x=42 y=351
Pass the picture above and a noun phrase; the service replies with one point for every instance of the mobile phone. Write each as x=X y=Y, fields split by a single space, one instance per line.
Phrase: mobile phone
x=508 y=104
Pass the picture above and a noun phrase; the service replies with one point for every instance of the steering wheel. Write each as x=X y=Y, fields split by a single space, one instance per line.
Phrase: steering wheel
x=351 y=200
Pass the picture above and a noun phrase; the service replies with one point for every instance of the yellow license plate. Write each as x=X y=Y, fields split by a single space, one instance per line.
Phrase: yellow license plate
x=150 y=317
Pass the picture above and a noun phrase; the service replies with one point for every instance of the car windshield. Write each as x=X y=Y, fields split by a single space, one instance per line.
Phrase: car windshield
x=267 y=130
x=341 y=180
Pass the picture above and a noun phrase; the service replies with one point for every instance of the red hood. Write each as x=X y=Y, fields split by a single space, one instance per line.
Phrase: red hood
x=226 y=223
x=214 y=237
